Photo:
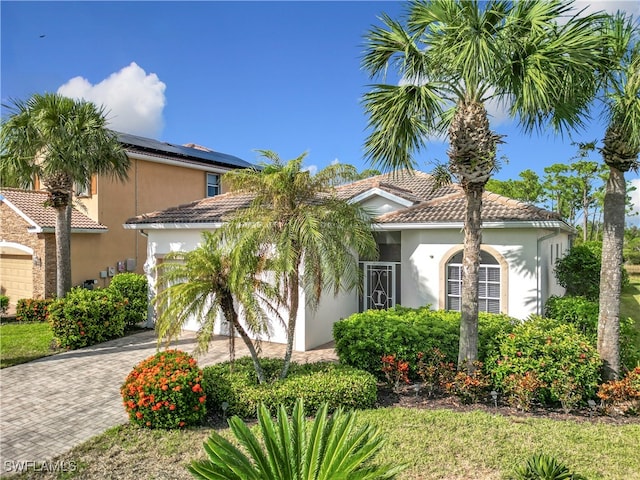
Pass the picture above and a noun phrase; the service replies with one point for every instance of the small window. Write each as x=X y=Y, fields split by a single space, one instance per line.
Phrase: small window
x=82 y=189
x=213 y=184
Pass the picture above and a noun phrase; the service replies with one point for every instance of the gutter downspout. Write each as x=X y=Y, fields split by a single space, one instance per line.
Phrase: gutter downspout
x=555 y=233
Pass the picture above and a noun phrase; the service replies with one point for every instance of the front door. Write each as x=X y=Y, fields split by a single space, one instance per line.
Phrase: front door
x=380 y=287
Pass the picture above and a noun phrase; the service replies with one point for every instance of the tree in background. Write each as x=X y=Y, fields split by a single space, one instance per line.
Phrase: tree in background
x=528 y=189
x=314 y=239
x=451 y=58
x=62 y=142
x=621 y=146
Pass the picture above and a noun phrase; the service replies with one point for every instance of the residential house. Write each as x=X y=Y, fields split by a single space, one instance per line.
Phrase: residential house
x=420 y=237
x=161 y=175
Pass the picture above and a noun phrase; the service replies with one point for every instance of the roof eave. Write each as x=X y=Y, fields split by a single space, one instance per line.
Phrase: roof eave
x=172 y=226
x=544 y=224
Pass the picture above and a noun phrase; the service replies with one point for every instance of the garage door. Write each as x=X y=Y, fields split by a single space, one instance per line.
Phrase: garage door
x=16 y=277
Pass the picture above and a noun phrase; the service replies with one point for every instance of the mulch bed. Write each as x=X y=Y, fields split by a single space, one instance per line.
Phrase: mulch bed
x=407 y=398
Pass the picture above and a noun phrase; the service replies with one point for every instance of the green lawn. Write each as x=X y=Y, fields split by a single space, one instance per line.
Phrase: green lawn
x=23 y=342
x=630 y=300
x=436 y=444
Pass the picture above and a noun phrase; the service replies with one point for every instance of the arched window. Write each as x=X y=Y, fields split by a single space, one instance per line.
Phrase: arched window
x=488 y=285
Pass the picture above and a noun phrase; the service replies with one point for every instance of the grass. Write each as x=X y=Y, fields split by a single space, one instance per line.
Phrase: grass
x=23 y=342
x=437 y=444
x=630 y=300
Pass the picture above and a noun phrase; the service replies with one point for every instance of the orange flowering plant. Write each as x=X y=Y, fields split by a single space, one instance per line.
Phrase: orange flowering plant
x=395 y=370
x=165 y=391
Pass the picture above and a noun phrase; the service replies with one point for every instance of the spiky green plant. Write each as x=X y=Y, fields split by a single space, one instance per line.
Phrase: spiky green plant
x=331 y=448
x=545 y=467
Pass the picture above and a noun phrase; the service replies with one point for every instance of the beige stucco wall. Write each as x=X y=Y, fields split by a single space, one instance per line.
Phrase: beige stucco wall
x=151 y=186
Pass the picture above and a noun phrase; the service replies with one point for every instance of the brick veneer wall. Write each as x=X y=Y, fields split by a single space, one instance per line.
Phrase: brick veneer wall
x=14 y=229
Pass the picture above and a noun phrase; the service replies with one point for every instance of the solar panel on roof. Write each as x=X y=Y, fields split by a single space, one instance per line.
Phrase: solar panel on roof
x=192 y=153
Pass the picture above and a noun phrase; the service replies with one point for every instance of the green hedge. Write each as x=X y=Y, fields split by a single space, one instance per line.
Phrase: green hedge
x=316 y=383
x=134 y=288
x=364 y=338
x=32 y=310
x=86 y=317
x=556 y=353
x=4 y=303
x=583 y=314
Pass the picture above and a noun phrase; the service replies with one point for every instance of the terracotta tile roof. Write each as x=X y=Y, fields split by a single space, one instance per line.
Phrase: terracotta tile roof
x=207 y=210
x=430 y=204
x=415 y=186
x=31 y=204
x=451 y=208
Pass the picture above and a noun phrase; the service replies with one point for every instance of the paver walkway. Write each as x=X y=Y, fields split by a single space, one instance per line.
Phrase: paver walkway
x=52 y=404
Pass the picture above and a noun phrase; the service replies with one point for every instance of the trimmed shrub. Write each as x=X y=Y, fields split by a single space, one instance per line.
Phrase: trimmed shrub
x=4 y=303
x=134 y=288
x=583 y=313
x=364 y=338
x=32 y=310
x=166 y=390
x=316 y=383
x=86 y=317
x=559 y=356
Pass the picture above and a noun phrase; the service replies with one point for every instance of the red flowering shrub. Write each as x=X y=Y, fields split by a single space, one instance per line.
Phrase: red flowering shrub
x=622 y=395
x=165 y=391
x=434 y=371
x=395 y=370
x=521 y=390
x=469 y=388
x=32 y=310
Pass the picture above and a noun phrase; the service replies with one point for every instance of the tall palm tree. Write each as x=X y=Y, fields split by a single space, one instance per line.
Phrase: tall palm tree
x=314 y=238
x=451 y=59
x=62 y=142
x=209 y=280
x=621 y=147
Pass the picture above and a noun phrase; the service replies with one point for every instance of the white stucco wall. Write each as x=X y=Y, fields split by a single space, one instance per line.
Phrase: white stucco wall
x=423 y=274
x=529 y=253
x=319 y=324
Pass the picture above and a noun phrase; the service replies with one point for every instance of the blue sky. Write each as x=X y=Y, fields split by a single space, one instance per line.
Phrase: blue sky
x=232 y=76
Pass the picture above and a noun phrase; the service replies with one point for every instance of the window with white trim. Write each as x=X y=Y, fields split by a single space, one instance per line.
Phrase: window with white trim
x=82 y=189
x=213 y=184
x=488 y=283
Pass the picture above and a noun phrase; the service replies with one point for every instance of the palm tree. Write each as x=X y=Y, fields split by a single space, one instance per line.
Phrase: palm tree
x=315 y=239
x=212 y=279
x=621 y=146
x=454 y=57
x=62 y=142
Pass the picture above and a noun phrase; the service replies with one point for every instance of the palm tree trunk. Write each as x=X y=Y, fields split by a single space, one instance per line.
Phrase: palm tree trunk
x=294 y=300
x=63 y=249
x=468 y=346
x=230 y=314
x=611 y=274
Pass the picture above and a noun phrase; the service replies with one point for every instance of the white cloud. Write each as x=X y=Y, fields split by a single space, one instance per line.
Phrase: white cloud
x=635 y=200
x=609 y=6
x=312 y=169
x=133 y=99
x=335 y=161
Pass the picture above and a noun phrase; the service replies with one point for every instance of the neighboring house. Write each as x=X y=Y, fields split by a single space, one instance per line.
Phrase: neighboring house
x=161 y=175
x=420 y=237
